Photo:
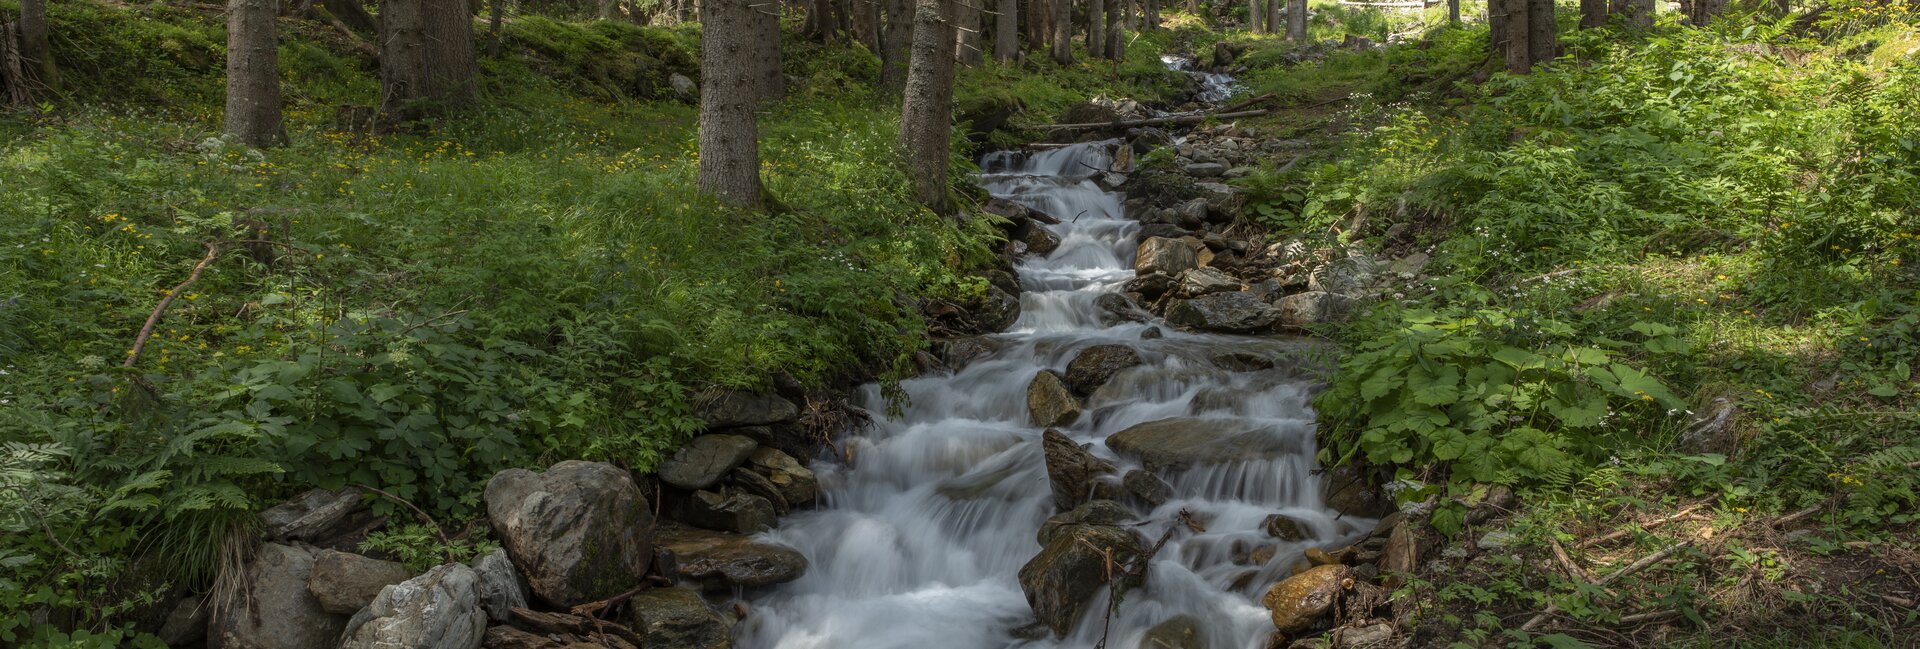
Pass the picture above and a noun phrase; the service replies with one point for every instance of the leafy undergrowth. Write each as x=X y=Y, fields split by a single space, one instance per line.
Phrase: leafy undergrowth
x=538 y=279
x=1670 y=271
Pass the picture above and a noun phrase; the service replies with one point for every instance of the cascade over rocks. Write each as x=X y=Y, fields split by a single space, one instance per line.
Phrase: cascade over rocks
x=437 y=610
x=1072 y=471
x=579 y=532
x=1096 y=365
x=274 y=609
x=720 y=561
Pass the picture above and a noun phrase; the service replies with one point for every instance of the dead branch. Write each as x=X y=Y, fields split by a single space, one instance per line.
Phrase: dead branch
x=1622 y=533
x=1608 y=580
x=1566 y=562
x=146 y=330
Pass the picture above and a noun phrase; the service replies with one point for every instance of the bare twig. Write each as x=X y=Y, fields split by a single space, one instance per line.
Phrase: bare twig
x=1636 y=566
x=146 y=330
x=1623 y=533
x=1566 y=562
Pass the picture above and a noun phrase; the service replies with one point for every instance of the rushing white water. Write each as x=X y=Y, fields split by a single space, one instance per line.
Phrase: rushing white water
x=1214 y=87
x=919 y=537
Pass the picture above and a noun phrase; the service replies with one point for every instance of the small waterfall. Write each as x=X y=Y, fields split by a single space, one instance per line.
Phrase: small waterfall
x=1214 y=87
x=918 y=538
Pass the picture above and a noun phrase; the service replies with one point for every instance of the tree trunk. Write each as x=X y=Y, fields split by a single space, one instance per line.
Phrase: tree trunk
x=36 y=49
x=1039 y=22
x=1704 y=11
x=253 y=73
x=894 y=44
x=1062 y=32
x=350 y=13
x=1593 y=13
x=1274 y=17
x=1151 y=9
x=1256 y=16
x=1006 y=32
x=1510 y=41
x=866 y=23
x=730 y=97
x=1453 y=11
x=1637 y=14
x=1542 y=36
x=427 y=62
x=1116 y=29
x=1096 y=28
x=763 y=49
x=1297 y=20
x=926 y=114
x=967 y=41
x=496 y=15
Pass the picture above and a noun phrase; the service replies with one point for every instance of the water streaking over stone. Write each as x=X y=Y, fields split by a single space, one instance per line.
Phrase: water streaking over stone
x=1214 y=87
x=920 y=536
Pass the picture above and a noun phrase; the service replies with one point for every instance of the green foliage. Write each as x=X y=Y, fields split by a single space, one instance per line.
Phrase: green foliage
x=419 y=547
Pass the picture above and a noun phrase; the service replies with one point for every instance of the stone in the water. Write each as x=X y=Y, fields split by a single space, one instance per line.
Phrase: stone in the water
x=738 y=512
x=719 y=561
x=1300 y=600
x=1116 y=308
x=701 y=463
x=1285 y=528
x=501 y=588
x=733 y=408
x=1096 y=512
x=1071 y=470
x=1063 y=580
x=1150 y=285
x=578 y=532
x=437 y=610
x=1205 y=281
x=1163 y=255
x=1314 y=307
x=997 y=310
x=1237 y=312
x=1095 y=365
x=345 y=583
x=677 y=618
x=1242 y=361
x=1180 y=442
x=280 y=612
x=1152 y=333
x=1146 y=486
x=1041 y=242
x=796 y=482
x=1049 y=402
x=1178 y=632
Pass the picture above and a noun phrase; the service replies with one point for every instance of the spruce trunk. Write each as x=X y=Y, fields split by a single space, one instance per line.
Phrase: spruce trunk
x=729 y=101
x=926 y=112
x=253 y=73
x=427 y=62
x=1006 y=32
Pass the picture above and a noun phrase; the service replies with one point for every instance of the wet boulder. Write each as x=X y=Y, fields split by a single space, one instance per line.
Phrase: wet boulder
x=1314 y=308
x=1041 y=242
x=344 y=583
x=1164 y=255
x=1205 y=281
x=1285 y=528
x=734 y=408
x=501 y=588
x=1150 y=285
x=996 y=311
x=437 y=610
x=1116 y=308
x=719 y=561
x=1237 y=312
x=1096 y=365
x=1181 y=442
x=677 y=618
x=1062 y=582
x=1146 y=486
x=280 y=612
x=1071 y=470
x=1049 y=402
x=797 y=483
x=578 y=532
x=1177 y=632
x=1242 y=361
x=734 y=511
x=702 y=462
x=1093 y=512
x=1299 y=601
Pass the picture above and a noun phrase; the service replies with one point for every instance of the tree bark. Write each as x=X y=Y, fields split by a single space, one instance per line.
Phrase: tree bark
x=1151 y=11
x=967 y=38
x=1637 y=14
x=763 y=50
x=1256 y=16
x=1096 y=28
x=350 y=13
x=1507 y=20
x=1116 y=29
x=894 y=44
x=496 y=16
x=1453 y=11
x=1006 y=32
x=1275 y=17
x=1039 y=22
x=1062 y=32
x=926 y=113
x=36 y=48
x=1297 y=20
x=1542 y=36
x=729 y=101
x=866 y=23
x=1593 y=13
x=427 y=63
x=1704 y=11
x=253 y=73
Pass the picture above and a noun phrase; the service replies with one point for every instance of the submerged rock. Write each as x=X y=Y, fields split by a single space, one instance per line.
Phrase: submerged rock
x=1146 y=486
x=1181 y=442
x=1178 y=632
x=578 y=532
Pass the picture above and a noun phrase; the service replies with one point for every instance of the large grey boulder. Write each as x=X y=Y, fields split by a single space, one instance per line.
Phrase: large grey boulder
x=1313 y=308
x=1062 y=581
x=1352 y=275
x=1071 y=470
x=1094 y=366
x=1181 y=442
x=1238 y=312
x=1049 y=402
x=677 y=618
x=702 y=462
x=501 y=588
x=344 y=583
x=437 y=610
x=578 y=532
x=733 y=408
x=1164 y=255
x=720 y=561
x=275 y=610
